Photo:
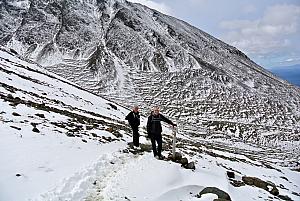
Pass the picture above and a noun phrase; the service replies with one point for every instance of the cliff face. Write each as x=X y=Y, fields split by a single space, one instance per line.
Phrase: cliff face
x=132 y=54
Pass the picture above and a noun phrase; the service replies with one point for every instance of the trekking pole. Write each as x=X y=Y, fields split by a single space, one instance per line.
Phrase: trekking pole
x=174 y=129
x=174 y=143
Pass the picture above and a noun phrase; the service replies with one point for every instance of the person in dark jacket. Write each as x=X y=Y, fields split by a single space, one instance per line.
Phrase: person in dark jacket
x=134 y=121
x=154 y=130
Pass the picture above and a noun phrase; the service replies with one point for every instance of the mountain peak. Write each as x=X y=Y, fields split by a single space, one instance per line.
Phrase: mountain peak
x=131 y=54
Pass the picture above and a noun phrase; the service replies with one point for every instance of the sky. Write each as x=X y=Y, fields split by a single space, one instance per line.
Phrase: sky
x=268 y=31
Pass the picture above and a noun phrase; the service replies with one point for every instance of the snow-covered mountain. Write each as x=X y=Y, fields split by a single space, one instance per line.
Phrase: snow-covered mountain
x=60 y=142
x=237 y=121
x=132 y=54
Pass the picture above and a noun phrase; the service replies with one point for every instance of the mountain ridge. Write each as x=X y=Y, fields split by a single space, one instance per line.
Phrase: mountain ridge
x=135 y=55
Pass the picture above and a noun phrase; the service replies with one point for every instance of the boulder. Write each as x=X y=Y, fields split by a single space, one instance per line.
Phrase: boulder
x=17 y=128
x=230 y=174
x=69 y=134
x=184 y=161
x=40 y=115
x=113 y=106
x=236 y=183
x=16 y=114
x=178 y=156
x=117 y=134
x=191 y=165
x=35 y=130
x=109 y=129
x=253 y=181
x=9 y=96
x=222 y=195
x=89 y=127
x=285 y=197
x=34 y=124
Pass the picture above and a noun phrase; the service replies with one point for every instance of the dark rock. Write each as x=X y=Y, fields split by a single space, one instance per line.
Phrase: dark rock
x=253 y=181
x=117 y=134
x=17 y=128
x=191 y=165
x=221 y=194
x=76 y=129
x=285 y=197
x=282 y=187
x=274 y=191
x=16 y=114
x=159 y=62
x=70 y=134
x=294 y=193
x=130 y=144
x=184 y=161
x=109 y=139
x=178 y=156
x=126 y=151
x=89 y=127
x=236 y=183
x=83 y=140
x=112 y=106
x=284 y=178
x=169 y=54
x=109 y=129
x=296 y=169
x=36 y=130
x=18 y=175
x=9 y=96
x=34 y=124
x=13 y=51
x=40 y=115
x=230 y=174
x=15 y=101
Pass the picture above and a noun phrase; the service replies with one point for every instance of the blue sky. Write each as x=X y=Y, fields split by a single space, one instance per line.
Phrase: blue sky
x=268 y=31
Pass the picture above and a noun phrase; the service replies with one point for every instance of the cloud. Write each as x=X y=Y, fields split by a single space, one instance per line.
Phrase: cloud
x=292 y=59
x=276 y=31
x=154 y=5
x=249 y=9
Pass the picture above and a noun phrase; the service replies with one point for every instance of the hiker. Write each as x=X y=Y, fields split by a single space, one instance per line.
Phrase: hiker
x=134 y=121
x=154 y=131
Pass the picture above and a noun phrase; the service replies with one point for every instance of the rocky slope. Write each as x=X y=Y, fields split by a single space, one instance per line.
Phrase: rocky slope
x=60 y=142
x=132 y=54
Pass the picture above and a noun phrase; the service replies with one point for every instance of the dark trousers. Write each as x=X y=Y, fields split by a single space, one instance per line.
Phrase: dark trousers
x=156 y=138
x=135 y=135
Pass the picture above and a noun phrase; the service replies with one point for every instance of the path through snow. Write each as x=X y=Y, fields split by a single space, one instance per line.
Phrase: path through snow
x=86 y=184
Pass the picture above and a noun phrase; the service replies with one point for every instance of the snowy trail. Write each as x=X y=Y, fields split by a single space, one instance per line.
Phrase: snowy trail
x=84 y=185
x=146 y=178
